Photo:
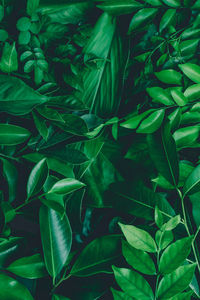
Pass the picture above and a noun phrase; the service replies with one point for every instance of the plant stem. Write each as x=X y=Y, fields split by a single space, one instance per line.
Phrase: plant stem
x=59 y=282
x=187 y=228
x=30 y=201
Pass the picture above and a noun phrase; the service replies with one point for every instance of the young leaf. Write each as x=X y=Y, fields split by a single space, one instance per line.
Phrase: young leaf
x=31 y=267
x=10 y=288
x=56 y=238
x=176 y=282
x=98 y=256
x=163 y=152
x=138 y=259
x=66 y=186
x=174 y=255
x=133 y=284
x=37 y=178
x=192 y=71
x=171 y=224
x=11 y=135
x=138 y=238
x=192 y=184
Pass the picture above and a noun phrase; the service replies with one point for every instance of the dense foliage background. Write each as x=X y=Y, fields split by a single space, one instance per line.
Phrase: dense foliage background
x=99 y=149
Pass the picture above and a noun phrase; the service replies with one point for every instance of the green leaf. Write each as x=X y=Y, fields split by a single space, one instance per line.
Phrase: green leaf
x=50 y=114
x=1 y=13
x=142 y=18
x=66 y=186
x=192 y=184
x=176 y=282
x=56 y=238
x=16 y=97
x=9 y=248
x=186 y=136
x=29 y=66
x=192 y=71
x=11 y=135
x=163 y=238
x=24 y=38
x=178 y=97
x=133 y=284
x=133 y=122
x=119 y=7
x=41 y=126
x=172 y=223
x=9 y=61
x=59 y=297
x=172 y=3
x=98 y=256
x=23 y=24
x=11 y=289
x=163 y=153
x=158 y=217
x=138 y=238
x=3 y=35
x=31 y=267
x=169 y=76
x=117 y=295
x=174 y=255
x=11 y=175
x=37 y=178
x=152 y=122
x=138 y=259
x=160 y=95
x=167 y=19
x=183 y=296
x=193 y=92
x=32 y=5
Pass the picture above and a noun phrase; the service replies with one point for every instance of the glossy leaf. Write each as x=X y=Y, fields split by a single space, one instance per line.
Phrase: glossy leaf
x=8 y=248
x=133 y=283
x=193 y=92
x=138 y=259
x=117 y=295
x=11 y=135
x=167 y=19
x=174 y=255
x=176 y=282
x=192 y=184
x=192 y=71
x=169 y=76
x=30 y=267
x=138 y=238
x=142 y=18
x=56 y=238
x=66 y=186
x=37 y=178
x=152 y=122
x=119 y=7
x=11 y=175
x=9 y=60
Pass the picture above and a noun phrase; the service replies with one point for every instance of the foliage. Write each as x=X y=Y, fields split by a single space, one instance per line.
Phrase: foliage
x=99 y=145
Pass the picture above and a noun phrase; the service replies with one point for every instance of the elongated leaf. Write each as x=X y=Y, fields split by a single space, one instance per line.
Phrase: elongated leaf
x=192 y=184
x=66 y=186
x=103 y=76
x=119 y=7
x=31 y=267
x=59 y=297
x=16 y=97
x=8 y=248
x=9 y=62
x=56 y=238
x=13 y=290
x=138 y=259
x=169 y=76
x=163 y=153
x=174 y=255
x=183 y=296
x=98 y=256
x=11 y=135
x=176 y=282
x=186 y=136
x=172 y=3
x=152 y=122
x=32 y=5
x=37 y=178
x=193 y=92
x=11 y=175
x=142 y=18
x=163 y=238
x=133 y=284
x=138 y=238
x=192 y=71
x=117 y=295
x=160 y=95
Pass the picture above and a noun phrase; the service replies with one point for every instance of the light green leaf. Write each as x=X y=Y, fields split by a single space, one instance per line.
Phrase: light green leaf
x=172 y=3
x=152 y=122
x=163 y=238
x=13 y=290
x=138 y=259
x=59 y=297
x=186 y=136
x=172 y=223
x=11 y=135
x=178 y=97
x=160 y=95
x=56 y=238
x=193 y=92
x=37 y=178
x=192 y=184
x=174 y=255
x=192 y=71
x=133 y=284
x=24 y=38
x=98 y=256
x=176 y=282
x=66 y=186
x=138 y=238
x=167 y=19
x=117 y=295
x=183 y=296
x=30 y=267
x=158 y=217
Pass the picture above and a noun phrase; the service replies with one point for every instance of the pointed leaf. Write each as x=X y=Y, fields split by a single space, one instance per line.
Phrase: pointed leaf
x=169 y=76
x=9 y=61
x=192 y=184
x=142 y=18
x=11 y=135
x=192 y=71
x=66 y=186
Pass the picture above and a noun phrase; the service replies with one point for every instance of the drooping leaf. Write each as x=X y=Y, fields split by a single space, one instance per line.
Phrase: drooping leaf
x=30 y=267
x=133 y=283
x=98 y=256
x=56 y=238
x=138 y=238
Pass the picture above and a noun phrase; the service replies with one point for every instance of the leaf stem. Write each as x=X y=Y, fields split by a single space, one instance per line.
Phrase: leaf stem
x=187 y=228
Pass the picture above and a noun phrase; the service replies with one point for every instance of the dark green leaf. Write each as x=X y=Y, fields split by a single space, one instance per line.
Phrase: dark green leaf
x=142 y=18
x=11 y=135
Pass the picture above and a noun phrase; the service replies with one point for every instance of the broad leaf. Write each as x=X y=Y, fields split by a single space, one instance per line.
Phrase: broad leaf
x=56 y=238
x=192 y=71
